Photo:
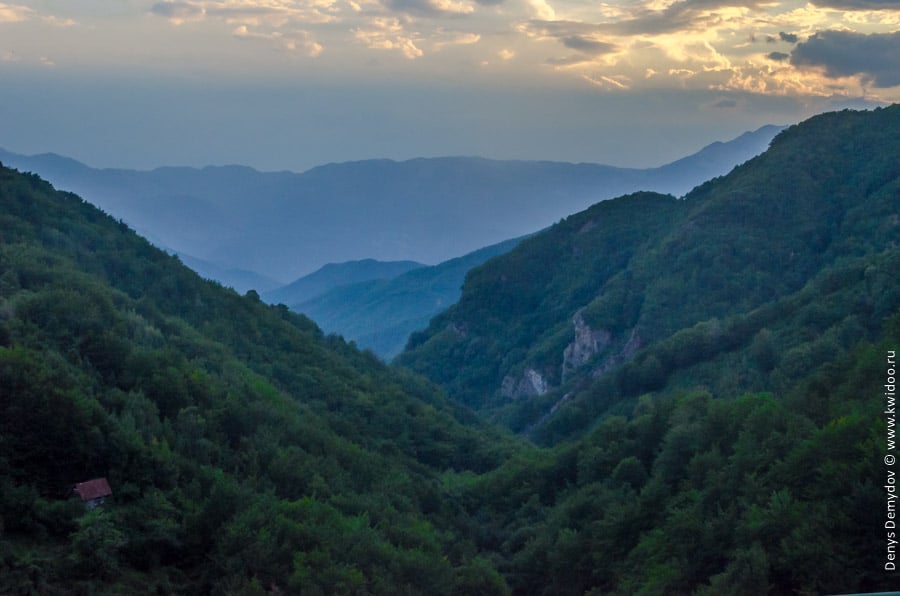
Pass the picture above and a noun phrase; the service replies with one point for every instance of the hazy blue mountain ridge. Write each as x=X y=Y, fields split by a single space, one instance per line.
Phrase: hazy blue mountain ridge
x=333 y=275
x=239 y=279
x=381 y=314
x=283 y=225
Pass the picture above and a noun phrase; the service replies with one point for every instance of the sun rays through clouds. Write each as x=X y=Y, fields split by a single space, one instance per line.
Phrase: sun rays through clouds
x=827 y=48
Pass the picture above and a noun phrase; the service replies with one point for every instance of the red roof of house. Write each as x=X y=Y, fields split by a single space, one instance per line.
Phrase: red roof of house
x=93 y=489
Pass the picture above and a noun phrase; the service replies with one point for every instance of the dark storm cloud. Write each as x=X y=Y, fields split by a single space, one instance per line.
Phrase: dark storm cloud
x=680 y=16
x=859 y=4
x=175 y=10
x=779 y=56
x=568 y=61
x=788 y=37
x=874 y=58
x=182 y=10
x=420 y=8
x=587 y=45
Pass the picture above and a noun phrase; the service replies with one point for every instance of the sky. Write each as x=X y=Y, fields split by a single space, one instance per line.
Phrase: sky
x=290 y=84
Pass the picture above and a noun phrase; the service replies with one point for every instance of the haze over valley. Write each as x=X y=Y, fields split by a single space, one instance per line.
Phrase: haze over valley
x=649 y=380
x=234 y=220
x=254 y=230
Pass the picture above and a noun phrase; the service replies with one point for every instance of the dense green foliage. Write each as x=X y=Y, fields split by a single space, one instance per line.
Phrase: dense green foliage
x=737 y=448
x=245 y=449
x=754 y=495
x=657 y=275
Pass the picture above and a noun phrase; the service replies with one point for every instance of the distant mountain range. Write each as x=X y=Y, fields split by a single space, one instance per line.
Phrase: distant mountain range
x=240 y=279
x=282 y=225
x=337 y=274
x=381 y=314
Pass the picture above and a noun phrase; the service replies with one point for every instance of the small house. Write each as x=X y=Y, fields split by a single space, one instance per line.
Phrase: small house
x=93 y=492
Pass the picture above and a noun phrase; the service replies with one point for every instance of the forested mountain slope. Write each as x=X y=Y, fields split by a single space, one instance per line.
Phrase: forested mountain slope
x=555 y=321
x=381 y=314
x=249 y=454
x=709 y=494
x=245 y=450
x=711 y=372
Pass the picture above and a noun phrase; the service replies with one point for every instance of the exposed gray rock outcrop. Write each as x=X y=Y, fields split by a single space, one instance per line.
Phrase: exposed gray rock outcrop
x=530 y=384
x=588 y=342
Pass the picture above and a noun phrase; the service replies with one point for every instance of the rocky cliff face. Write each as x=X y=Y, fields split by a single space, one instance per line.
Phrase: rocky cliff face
x=588 y=342
x=530 y=384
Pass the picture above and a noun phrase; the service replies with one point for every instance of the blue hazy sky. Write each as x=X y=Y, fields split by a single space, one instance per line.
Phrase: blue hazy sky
x=285 y=84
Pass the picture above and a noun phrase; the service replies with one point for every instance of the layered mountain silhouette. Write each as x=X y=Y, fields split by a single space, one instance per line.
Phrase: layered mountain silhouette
x=699 y=386
x=334 y=275
x=381 y=314
x=284 y=225
x=626 y=296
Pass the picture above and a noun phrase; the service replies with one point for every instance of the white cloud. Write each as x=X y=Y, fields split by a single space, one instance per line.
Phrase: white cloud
x=59 y=22
x=541 y=9
x=14 y=13
x=445 y=39
x=684 y=44
x=453 y=6
x=297 y=40
x=389 y=34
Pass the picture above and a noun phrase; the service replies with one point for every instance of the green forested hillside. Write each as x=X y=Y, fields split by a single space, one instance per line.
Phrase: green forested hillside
x=657 y=282
x=708 y=493
x=719 y=426
x=710 y=370
x=245 y=451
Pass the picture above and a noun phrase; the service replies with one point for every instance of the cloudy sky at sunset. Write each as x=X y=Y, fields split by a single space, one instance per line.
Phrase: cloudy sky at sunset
x=288 y=84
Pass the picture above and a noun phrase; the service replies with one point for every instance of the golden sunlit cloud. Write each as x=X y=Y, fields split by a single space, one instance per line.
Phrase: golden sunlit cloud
x=452 y=6
x=542 y=10
x=14 y=13
x=755 y=46
x=444 y=39
x=296 y=40
x=751 y=46
x=605 y=82
x=389 y=34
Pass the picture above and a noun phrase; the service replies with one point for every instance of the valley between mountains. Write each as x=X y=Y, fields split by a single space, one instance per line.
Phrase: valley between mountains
x=648 y=394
